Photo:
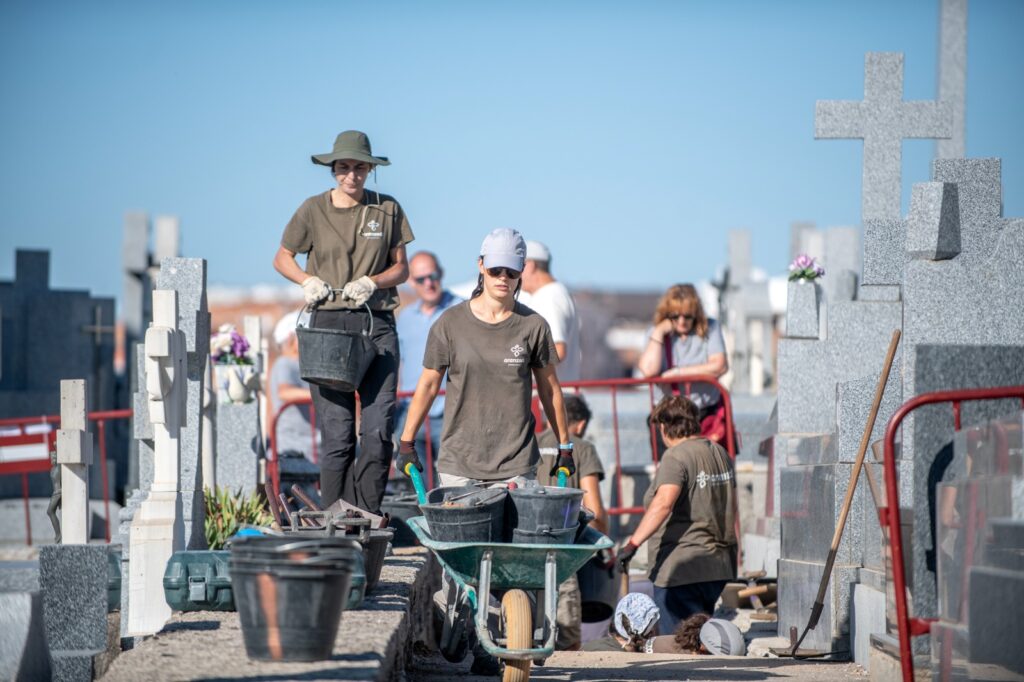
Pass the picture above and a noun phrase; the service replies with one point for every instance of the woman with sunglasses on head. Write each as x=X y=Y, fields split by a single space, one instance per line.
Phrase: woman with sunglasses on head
x=492 y=349
x=685 y=342
x=354 y=241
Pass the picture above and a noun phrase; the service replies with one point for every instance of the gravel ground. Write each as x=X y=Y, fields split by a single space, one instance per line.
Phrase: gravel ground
x=371 y=642
x=577 y=666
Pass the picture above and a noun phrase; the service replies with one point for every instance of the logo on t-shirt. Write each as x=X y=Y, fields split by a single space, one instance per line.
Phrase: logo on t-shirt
x=703 y=478
x=516 y=351
x=371 y=230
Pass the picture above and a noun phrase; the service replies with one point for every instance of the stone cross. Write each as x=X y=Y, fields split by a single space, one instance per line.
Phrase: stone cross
x=157 y=530
x=882 y=120
x=74 y=455
x=953 y=75
x=165 y=388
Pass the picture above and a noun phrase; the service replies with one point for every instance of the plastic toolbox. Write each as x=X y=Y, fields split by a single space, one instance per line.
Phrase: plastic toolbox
x=199 y=581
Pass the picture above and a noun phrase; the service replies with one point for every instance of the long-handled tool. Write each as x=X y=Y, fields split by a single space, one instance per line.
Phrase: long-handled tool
x=819 y=602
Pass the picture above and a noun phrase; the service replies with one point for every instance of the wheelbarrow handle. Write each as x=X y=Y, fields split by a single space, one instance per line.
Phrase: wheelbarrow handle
x=417 y=482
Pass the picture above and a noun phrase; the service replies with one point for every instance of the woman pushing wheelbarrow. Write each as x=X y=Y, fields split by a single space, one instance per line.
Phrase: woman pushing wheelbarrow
x=493 y=348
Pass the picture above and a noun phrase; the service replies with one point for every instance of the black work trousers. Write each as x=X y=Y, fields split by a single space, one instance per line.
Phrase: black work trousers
x=359 y=480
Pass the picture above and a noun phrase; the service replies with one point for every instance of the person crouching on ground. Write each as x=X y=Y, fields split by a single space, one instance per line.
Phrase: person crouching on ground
x=690 y=517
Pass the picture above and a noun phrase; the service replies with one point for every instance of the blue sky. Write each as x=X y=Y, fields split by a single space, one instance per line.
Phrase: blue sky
x=630 y=137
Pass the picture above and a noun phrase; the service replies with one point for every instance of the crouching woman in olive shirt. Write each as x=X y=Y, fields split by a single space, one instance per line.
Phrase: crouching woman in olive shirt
x=690 y=519
x=492 y=348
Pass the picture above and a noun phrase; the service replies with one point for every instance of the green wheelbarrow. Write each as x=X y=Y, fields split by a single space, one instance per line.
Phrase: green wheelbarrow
x=475 y=569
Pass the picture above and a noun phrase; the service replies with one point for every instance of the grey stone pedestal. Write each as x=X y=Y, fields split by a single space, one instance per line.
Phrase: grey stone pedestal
x=74 y=580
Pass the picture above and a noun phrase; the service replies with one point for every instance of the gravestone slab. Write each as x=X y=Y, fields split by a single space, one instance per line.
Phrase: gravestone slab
x=811 y=498
x=23 y=651
x=798 y=588
x=803 y=309
x=933 y=230
x=238 y=446
x=74 y=581
x=187 y=276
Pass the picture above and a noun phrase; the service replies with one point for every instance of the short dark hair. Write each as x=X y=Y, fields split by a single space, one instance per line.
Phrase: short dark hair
x=678 y=415
x=576 y=409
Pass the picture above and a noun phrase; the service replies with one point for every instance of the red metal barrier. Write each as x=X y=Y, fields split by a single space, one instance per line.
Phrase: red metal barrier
x=889 y=515
x=615 y=386
x=48 y=438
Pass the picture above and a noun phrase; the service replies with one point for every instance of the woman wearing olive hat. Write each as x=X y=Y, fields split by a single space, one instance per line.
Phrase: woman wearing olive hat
x=354 y=241
x=492 y=348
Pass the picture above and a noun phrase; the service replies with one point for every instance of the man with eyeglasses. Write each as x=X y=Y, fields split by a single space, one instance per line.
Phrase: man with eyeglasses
x=552 y=300
x=414 y=322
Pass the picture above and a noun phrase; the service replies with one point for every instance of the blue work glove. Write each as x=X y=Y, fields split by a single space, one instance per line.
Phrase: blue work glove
x=564 y=461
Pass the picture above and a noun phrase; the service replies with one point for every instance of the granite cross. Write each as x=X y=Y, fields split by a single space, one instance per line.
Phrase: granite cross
x=953 y=74
x=882 y=120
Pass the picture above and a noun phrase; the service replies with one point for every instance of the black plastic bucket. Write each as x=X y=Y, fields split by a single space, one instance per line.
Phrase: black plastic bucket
x=465 y=514
x=335 y=358
x=599 y=590
x=290 y=595
x=545 y=536
x=545 y=506
x=400 y=508
x=375 y=548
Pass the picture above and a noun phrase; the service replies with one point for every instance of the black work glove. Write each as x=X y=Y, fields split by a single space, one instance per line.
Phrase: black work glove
x=564 y=460
x=626 y=555
x=407 y=455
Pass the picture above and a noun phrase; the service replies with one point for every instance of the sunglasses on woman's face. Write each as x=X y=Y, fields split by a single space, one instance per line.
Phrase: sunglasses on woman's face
x=676 y=316
x=509 y=273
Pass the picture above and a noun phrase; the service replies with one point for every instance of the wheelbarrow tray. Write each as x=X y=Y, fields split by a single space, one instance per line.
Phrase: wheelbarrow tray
x=514 y=566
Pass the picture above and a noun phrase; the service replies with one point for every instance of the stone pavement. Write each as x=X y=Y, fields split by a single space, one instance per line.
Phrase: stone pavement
x=373 y=642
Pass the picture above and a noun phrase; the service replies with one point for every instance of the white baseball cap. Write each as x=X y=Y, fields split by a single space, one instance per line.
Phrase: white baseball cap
x=504 y=248
x=537 y=251
x=285 y=327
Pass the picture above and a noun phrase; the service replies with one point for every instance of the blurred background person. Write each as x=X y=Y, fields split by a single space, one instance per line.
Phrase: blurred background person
x=294 y=432
x=685 y=342
x=414 y=322
x=552 y=300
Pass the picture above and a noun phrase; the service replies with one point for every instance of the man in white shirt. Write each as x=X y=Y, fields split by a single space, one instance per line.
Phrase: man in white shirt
x=551 y=299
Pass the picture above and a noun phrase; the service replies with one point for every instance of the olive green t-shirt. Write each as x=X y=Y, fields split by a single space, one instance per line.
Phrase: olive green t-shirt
x=488 y=425
x=584 y=455
x=698 y=541
x=345 y=244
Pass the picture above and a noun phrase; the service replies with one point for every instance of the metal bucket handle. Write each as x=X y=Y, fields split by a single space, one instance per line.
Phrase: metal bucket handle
x=368 y=333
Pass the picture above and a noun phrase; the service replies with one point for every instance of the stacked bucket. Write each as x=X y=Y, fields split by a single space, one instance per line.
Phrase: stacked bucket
x=290 y=593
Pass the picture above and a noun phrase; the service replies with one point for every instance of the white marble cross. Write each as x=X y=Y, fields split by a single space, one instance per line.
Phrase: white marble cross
x=74 y=455
x=157 y=529
x=882 y=120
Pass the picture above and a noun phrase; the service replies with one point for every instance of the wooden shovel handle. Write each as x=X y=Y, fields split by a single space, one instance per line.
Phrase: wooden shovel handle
x=751 y=591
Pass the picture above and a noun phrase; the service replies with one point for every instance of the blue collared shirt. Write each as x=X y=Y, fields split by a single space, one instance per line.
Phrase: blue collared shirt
x=413 y=326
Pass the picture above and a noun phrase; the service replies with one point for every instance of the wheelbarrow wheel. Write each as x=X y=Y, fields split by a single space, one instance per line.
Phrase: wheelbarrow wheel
x=518 y=617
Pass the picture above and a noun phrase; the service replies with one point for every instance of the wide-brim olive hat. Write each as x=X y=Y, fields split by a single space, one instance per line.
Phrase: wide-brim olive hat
x=351 y=144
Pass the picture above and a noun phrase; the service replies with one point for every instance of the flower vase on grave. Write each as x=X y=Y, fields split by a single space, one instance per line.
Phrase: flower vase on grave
x=803 y=301
x=237 y=383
